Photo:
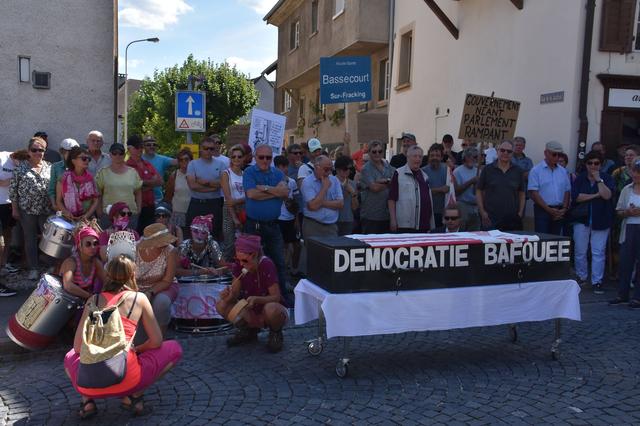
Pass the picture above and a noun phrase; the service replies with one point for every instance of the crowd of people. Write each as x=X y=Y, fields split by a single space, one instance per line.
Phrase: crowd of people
x=249 y=214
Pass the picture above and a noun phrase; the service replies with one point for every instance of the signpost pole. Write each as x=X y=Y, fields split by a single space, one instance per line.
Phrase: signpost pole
x=346 y=120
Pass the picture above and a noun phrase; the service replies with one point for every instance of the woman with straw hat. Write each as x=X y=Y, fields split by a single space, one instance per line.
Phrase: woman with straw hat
x=156 y=261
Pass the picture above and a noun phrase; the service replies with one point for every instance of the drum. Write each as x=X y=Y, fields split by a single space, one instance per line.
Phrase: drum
x=194 y=310
x=235 y=314
x=43 y=314
x=57 y=237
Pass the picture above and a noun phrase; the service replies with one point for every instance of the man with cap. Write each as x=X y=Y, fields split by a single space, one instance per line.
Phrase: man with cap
x=265 y=189
x=49 y=155
x=255 y=281
x=407 y=140
x=57 y=169
x=550 y=189
x=160 y=162
x=150 y=179
x=315 y=149
x=97 y=159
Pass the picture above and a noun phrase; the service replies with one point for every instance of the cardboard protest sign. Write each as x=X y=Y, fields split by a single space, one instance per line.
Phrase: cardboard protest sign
x=267 y=129
x=488 y=119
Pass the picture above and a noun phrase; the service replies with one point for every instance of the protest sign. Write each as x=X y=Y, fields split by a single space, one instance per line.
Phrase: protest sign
x=488 y=119
x=266 y=129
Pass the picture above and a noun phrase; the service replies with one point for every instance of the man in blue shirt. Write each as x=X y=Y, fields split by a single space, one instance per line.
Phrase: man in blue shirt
x=550 y=190
x=159 y=162
x=265 y=188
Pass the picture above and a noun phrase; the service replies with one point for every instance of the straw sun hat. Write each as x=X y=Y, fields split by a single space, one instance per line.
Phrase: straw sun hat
x=156 y=235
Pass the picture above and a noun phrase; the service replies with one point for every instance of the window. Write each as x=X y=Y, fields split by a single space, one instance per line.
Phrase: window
x=618 y=22
x=314 y=16
x=301 y=107
x=292 y=140
x=24 y=69
x=404 y=74
x=636 y=39
x=287 y=102
x=338 y=7
x=294 y=35
x=41 y=80
x=383 y=80
x=321 y=112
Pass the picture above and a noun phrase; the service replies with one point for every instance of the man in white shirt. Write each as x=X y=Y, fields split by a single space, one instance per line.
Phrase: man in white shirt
x=315 y=149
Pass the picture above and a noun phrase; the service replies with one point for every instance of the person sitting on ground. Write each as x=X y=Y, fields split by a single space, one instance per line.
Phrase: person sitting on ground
x=156 y=261
x=256 y=281
x=452 y=221
x=120 y=219
x=146 y=363
x=163 y=216
x=201 y=250
x=82 y=273
x=77 y=194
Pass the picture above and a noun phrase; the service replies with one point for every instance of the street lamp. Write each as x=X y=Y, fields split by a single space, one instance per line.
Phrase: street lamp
x=126 y=78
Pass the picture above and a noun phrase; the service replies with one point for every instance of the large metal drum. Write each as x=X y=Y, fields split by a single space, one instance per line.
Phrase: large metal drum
x=43 y=314
x=57 y=237
x=194 y=310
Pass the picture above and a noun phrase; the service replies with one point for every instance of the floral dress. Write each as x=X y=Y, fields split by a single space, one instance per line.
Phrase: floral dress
x=29 y=188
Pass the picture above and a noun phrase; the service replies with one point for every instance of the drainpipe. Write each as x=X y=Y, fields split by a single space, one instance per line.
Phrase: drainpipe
x=392 y=8
x=584 y=81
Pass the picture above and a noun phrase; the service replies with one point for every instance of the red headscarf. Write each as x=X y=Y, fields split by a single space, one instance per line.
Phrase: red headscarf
x=203 y=222
x=116 y=208
x=85 y=231
x=248 y=244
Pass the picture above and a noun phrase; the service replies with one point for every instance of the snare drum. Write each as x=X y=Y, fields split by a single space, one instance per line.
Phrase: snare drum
x=57 y=237
x=43 y=314
x=194 y=309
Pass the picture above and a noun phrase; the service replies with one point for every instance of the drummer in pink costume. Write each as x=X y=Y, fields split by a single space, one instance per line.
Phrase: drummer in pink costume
x=120 y=218
x=201 y=250
x=82 y=273
x=256 y=281
x=146 y=362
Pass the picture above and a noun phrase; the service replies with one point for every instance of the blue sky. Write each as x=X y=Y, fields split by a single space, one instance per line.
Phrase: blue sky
x=231 y=30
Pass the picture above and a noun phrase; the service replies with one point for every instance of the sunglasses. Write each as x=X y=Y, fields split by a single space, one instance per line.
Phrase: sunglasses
x=209 y=148
x=554 y=154
x=123 y=214
x=162 y=215
x=296 y=153
x=237 y=157
x=85 y=159
x=149 y=145
x=376 y=152
x=264 y=157
x=593 y=163
x=241 y=260
x=451 y=217
x=117 y=153
x=508 y=151
x=34 y=150
x=88 y=244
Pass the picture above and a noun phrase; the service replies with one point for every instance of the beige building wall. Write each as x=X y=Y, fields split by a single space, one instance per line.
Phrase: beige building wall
x=76 y=42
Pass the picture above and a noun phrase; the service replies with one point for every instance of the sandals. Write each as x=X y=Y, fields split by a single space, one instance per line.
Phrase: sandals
x=131 y=407
x=84 y=413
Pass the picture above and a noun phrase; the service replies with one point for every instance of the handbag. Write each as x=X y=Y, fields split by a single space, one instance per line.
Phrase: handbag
x=579 y=212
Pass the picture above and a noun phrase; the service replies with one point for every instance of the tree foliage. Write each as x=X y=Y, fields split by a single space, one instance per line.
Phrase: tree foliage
x=230 y=95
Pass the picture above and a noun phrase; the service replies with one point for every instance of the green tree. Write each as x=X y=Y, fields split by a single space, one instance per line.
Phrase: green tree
x=230 y=96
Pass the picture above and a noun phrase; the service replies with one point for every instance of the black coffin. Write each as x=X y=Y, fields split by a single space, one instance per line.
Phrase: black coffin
x=346 y=265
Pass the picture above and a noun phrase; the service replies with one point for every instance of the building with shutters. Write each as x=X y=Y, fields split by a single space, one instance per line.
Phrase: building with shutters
x=58 y=70
x=573 y=65
x=311 y=29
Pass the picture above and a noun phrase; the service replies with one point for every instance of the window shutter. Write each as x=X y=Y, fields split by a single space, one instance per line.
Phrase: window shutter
x=616 y=25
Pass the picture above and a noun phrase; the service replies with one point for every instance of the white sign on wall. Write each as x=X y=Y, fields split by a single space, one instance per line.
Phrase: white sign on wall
x=624 y=98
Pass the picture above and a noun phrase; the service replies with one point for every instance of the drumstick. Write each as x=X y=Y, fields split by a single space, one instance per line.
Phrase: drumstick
x=207 y=269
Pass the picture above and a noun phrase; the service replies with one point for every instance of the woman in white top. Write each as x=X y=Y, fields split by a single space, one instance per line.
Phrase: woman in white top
x=233 y=214
x=178 y=193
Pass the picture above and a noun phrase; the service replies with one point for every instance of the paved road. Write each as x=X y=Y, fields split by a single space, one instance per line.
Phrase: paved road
x=474 y=376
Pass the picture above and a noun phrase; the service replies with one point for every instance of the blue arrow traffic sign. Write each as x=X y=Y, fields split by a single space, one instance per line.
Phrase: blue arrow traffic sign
x=190 y=111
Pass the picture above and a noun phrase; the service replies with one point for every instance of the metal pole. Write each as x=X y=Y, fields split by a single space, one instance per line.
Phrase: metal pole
x=126 y=82
x=346 y=121
x=189 y=87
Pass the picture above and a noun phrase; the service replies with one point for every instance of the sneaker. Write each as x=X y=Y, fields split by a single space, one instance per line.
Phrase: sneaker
x=618 y=301
x=10 y=269
x=34 y=274
x=597 y=289
x=242 y=336
x=6 y=292
x=275 y=341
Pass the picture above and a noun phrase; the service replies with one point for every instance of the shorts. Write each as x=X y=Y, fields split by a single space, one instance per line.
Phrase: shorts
x=288 y=230
x=6 y=218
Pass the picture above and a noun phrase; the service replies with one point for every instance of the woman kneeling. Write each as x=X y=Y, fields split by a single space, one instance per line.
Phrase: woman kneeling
x=146 y=363
x=256 y=281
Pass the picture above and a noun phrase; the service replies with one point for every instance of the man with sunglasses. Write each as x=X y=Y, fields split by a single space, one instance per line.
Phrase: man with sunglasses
x=452 y=221
x=99 y=159
x=294 y=155
x=306 y=169
x=160 y=162
x=550 y=189
x=374 y=183
x=407 y=140
x=203 y=178
x=500 y=192
x=150 y=179
x=265 y=189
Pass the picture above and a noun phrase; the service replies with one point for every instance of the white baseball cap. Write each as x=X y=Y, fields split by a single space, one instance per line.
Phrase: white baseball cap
x=314 y=144
x=68 y=143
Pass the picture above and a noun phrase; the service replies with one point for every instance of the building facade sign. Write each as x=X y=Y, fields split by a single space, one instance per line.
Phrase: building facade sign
x=624 y=98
